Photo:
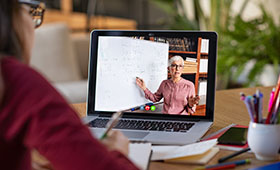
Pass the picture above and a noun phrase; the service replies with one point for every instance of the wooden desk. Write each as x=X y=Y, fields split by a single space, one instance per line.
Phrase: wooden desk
x=228 y=109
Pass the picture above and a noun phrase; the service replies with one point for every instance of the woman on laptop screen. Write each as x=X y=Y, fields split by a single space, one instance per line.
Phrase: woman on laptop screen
x=33 y=115
x=178 y=93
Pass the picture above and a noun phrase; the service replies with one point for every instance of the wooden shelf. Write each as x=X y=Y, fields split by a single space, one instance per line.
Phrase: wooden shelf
x=203 y=74
x=182 y=52
x=192 y=68
x=78 y=21
x=200 y=110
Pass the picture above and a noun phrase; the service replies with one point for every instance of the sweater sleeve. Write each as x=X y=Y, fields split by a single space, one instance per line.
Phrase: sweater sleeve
x=43 y=120
x=154 y=97
x=191 y=110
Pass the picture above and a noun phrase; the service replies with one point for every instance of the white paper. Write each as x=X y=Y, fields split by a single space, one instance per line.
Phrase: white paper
x=203 y=67
x=202 y=88
x=139 y=154
x=171 y=152
x=204 y=45
x=191 y=59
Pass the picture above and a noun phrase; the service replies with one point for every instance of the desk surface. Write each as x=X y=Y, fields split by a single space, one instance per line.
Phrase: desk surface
x=228 y=109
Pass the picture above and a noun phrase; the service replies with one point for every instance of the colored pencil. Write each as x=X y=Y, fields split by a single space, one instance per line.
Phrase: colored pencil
x=273 y=102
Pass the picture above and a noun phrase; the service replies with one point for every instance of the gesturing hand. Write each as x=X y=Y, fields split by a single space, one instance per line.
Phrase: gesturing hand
x=193 y=100
x=140 y=82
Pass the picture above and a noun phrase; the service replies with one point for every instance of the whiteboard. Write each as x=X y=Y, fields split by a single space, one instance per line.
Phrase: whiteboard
x=119 y=61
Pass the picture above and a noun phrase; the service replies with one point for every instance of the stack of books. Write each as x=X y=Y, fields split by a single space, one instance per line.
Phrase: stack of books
x=190 y=65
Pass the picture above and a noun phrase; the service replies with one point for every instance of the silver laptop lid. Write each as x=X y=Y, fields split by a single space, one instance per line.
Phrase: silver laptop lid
x=118 y=57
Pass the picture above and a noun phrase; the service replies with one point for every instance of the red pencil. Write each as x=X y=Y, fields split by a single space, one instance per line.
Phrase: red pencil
x=273 y=102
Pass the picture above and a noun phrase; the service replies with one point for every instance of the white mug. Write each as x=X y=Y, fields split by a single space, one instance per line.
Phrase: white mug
x=264 y=140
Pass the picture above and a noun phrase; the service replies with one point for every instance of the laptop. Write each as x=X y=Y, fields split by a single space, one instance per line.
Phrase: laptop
x=118 y=57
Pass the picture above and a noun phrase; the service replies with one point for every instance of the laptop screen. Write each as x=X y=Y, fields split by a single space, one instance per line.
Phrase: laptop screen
x=152 y=73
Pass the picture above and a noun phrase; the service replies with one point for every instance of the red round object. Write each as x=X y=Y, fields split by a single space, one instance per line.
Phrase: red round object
x=147 y=107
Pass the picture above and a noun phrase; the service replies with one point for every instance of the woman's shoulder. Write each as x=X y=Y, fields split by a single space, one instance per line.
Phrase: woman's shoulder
x=23 y=80
x=13 y=66
x=167 y=81
x=14 y=70
x=186 y=82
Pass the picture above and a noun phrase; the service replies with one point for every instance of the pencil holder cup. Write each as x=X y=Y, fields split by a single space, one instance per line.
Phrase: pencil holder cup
x=264 y=140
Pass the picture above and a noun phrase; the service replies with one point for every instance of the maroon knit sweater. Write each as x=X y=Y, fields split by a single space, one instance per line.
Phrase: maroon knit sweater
x=35 y=115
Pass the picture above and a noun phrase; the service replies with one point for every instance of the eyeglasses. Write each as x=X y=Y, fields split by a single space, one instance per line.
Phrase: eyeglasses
x=36 y=10
x=177 y=66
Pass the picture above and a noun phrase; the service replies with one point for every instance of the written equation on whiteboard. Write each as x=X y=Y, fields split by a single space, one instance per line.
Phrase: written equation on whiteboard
x=120 y=60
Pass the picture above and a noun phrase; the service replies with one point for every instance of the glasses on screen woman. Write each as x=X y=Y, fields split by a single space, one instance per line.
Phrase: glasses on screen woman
x=36 y=10
x=176 y=66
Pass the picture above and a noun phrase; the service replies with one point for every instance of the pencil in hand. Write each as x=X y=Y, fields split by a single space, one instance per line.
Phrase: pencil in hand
x=112 y=123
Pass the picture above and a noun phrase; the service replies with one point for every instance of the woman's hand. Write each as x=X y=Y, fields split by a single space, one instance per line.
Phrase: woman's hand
x=193 y=100
x=39 y=162
x=41 y=166
x=140 y=82
x=117 y=141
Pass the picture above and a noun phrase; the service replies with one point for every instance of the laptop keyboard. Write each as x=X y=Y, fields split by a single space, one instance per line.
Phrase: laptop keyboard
x=144 y=125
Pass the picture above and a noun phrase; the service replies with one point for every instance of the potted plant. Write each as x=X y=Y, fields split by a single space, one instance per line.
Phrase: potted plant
x=255 y=41
x=240 y=41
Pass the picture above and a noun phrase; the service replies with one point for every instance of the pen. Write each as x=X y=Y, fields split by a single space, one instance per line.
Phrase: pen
x=135 y=108
x=252 y=105
x=260 y=95
x=276 y=110
x=242 y=96
x=233 y=155
x=278 y=116
x=221 y=167
x=256 y=107
x=139 y=79
x=112 y=123
x=227 y=164
x=149 y=104
x=273 y=102
x=247 y=101
x=271 y=98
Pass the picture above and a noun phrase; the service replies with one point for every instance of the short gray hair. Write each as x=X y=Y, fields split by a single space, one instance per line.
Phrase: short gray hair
x=175 y=58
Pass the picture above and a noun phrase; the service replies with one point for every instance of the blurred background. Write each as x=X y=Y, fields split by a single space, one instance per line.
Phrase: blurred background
x=249 y=31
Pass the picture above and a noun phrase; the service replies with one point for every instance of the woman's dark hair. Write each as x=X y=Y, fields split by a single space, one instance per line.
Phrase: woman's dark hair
x=10 y=42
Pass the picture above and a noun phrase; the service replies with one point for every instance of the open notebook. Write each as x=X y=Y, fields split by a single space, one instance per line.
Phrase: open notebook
x=140 y=154
x=196 y=153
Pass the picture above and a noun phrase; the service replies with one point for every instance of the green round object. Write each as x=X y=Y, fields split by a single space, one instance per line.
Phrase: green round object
x=153 y=108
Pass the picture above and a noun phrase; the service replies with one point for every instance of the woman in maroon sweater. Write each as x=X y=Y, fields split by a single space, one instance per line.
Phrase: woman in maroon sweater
x=33 y=115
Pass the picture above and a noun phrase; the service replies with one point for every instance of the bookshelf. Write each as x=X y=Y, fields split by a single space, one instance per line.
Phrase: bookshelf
x=192 y=67
x=195 y=55
x=195 y=64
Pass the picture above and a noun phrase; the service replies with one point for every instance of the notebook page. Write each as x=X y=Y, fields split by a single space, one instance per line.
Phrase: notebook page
x=170 y=152
x=140 y=153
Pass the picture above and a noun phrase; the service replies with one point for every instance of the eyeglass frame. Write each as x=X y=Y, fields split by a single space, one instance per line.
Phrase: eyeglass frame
x=34 y=5
x=177 y=66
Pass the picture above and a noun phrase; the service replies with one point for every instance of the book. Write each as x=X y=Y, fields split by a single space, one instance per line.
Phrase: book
x=196 y=153
x=203 y=66
x=140 y=154
x=204 y=46
x=227 y=147
x=179 y=44
x=200 y=159
x=191 y=60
